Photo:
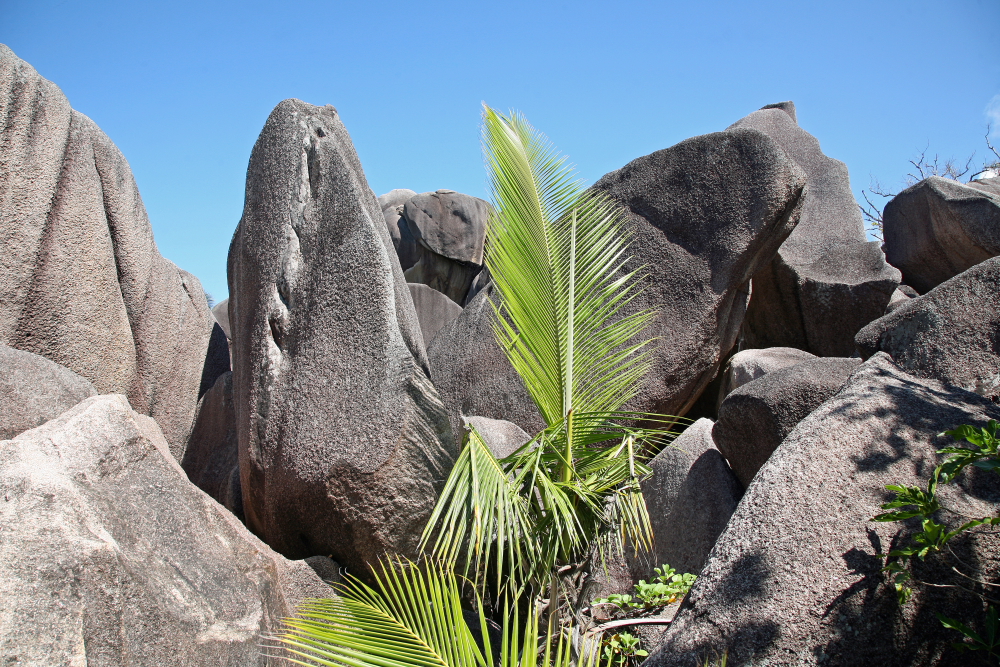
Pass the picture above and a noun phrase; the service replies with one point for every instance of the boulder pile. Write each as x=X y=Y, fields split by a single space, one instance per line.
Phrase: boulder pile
x=175 y=478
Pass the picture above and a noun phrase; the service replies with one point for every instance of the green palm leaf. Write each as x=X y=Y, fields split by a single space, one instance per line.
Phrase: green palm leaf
x=556 y=255
x=413 y=618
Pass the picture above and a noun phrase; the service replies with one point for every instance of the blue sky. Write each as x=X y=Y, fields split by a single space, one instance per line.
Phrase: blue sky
x=184 y=88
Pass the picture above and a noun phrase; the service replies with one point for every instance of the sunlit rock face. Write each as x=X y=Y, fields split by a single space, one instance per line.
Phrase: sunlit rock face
x=81 y=280
x=827 y=280
x=343 y=441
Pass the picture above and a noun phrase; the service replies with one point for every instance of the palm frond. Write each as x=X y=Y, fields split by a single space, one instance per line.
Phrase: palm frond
x=557 y=257
x=413 y=618
x=480 y=513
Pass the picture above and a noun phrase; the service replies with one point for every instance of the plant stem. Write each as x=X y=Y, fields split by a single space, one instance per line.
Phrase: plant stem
x=567 y=466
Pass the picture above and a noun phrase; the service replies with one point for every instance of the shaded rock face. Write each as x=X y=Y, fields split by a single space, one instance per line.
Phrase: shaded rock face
x=938 y=228
x=403 y=241
x=450 y=231
x=144 y=569
x=794 y=578
x=211 y=459
x=221 y=313
x=704 y=216
x=83 y=282
x=434 y=309
x=755 y=418
x=343 y=441
x=826 y=281
x=34 y=390
x=951 y=333
x=473 y=374
x=748 y=365
x=690 y=497
x=217 y=361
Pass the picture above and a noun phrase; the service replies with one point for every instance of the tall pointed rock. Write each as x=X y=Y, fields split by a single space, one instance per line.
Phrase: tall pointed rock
x=344 y=443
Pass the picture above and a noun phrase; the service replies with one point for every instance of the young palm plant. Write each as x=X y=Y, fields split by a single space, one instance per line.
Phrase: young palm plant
x=530 y=523
x=557 y=257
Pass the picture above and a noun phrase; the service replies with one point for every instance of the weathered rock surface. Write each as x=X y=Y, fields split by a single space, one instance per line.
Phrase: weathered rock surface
x=473 y=374
x=704 y=215
x=221 y=313
x=211 y=459
x=434 y=309
x=755 y=418
x=748 y=365
x=110 y=556
x=794 y=578
x=449 y=223
x=344 y=443
x=34 y=390
x=690 y=497
x=83 y=283
x=951 y=333
x=826 y=281
x=939 y=227
x=502 y=437
x=217 y=360
x=450 y=231
x=899 y=297
x=395 y=198
x=407 y=248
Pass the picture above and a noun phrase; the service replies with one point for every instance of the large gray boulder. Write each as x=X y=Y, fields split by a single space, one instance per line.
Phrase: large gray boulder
x=748 y=365
x=110 y=556
x=939 y=227
x=81 y=280
x=827 y=281
x=704 y=216
x=211 y=459
x=344 y=443
x=690 y=497
x=951 y=333
x=403 y=240
x=434 y=310
x=450 y=231
x=34 y=390
x=755 y=418
x=473 y=374
x=795 y=577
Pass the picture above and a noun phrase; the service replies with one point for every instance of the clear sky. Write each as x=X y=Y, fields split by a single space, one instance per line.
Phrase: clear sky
x=184 y=88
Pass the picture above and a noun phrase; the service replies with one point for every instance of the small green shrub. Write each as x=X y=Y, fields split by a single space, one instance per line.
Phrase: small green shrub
x=665 y=588
x=913 y=502
x=622 y=650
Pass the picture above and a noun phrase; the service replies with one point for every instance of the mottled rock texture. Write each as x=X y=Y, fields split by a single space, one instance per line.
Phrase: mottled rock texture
x=755 y=418
x=690 y=497
x=81 y=280
x=34 y=390
x=826 y=281
x=748 y=365
x=403 y=241
x=939 y=227
x=434 y=309
x=704 y=216
x=794 y=579
x=211 y=459
x=951 y=333
x=449 y=229
x=110 y=556
x=502 y=437
x=344 y=443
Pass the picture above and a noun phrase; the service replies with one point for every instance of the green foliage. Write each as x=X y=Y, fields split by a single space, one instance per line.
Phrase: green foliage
x=413 y=617
x=534 y=519
x=556 y=255
x=912 y=502
x=665 y=588
x=622 y=650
